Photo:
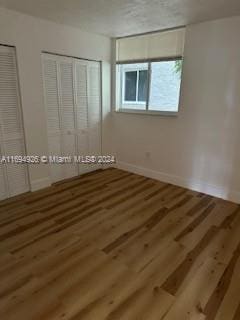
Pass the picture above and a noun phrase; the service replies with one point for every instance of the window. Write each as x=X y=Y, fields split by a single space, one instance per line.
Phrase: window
x=153 y=86
x=148 y=72
x=165 y=85
x=134 y=85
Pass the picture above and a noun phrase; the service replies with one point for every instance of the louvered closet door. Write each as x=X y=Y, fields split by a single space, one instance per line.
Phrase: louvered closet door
x=73 y=101
x=50 y=69
x=11 y=126
x=81 y=110
x=94 y=110
x=67 y=115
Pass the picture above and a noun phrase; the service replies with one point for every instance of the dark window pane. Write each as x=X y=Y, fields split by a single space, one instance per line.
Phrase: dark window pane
x=130 y=85
x=142 y=86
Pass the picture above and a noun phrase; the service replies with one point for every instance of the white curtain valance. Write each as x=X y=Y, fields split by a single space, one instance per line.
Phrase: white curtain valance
x=151 y=46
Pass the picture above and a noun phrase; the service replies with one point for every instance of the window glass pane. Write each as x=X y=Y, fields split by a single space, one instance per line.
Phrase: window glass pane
x=165 y=85
x=142 y=86
x=130 y=85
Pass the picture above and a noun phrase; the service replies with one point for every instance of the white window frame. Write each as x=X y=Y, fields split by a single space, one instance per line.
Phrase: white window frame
x=125 y=106
x=123 y=81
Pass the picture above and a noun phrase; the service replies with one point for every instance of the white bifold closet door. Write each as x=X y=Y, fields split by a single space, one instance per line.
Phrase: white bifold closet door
x=73 y=102
x=13 y=177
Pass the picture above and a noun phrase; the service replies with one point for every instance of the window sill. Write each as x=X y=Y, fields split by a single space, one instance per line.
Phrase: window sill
x=149 y=112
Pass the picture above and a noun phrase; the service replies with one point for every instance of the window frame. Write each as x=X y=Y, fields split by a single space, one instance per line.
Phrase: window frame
x=126 y=107
x=123 y=88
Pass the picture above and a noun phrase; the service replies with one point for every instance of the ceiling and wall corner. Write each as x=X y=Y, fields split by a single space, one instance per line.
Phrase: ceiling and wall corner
x=116 y=18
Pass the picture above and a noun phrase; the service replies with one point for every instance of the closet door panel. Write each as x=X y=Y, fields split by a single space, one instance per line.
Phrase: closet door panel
x=67 y=96
x=54 y=145
x=81 y=109
x=51 y=95
x=69 y=145
x=67 y=116
x=94 y=110
x=16 y=173
x=50 y=69
x=11 y=124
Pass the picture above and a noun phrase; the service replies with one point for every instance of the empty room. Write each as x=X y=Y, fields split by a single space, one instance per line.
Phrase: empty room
x=119 y=160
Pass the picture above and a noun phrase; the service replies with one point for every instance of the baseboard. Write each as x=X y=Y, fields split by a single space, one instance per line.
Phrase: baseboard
x=108 y=166
x=192 y=184
x=40 y=184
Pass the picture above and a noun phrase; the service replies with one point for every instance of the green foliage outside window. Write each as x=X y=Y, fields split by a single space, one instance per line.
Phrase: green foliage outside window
x=178 y=67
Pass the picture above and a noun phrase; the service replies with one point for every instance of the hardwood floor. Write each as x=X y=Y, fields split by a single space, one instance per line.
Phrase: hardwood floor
x=114 y=245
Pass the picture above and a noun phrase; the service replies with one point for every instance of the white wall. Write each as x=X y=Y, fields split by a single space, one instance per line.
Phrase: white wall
x=200 y=148
x=30 y=36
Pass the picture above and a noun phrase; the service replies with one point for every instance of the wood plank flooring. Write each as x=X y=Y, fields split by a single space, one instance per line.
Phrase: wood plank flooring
x=115 y=245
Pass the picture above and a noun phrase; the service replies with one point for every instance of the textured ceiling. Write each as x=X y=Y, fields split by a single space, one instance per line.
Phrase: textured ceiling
x=125 y=17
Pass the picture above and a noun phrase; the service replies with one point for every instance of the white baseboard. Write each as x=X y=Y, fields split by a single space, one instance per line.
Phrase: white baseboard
x=108 y=166
x=192 y=184
x=40 y=184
